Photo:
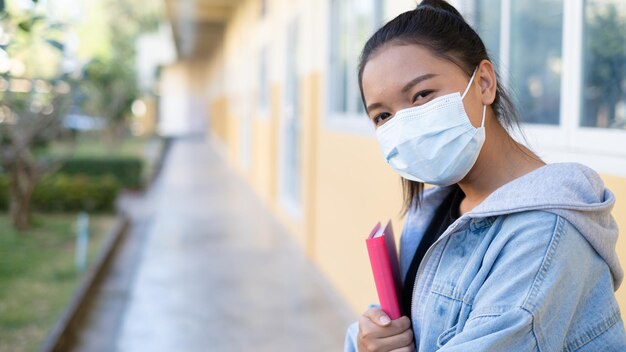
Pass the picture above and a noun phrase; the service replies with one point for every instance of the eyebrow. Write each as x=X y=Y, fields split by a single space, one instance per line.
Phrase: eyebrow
x=415 y=81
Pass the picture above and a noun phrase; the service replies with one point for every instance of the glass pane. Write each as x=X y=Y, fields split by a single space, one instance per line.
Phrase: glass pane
x=352 y=22
x=291 y=167
x=338 y=64
x=535 y=64
x=263 y=82
x=364 y=25
x=604 y=64
x=487 y=25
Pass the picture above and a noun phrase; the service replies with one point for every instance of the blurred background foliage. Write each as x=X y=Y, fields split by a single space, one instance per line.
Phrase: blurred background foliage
x=68 y=82
x=68 y=74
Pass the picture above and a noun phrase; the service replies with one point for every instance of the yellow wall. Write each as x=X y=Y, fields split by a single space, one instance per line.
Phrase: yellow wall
x=219 y=120
x=354 y=191
x=294 y=224
x=261 y=174
x=232 y=135
x=618 y=186
x=345 y=186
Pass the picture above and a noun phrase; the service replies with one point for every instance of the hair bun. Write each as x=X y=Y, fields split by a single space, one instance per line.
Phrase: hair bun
x=441 y=5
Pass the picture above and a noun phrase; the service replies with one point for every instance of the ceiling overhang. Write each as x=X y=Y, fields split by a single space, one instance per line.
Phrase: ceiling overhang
x=198 y=25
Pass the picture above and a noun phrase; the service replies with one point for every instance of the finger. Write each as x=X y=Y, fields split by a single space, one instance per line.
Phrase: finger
x=403 y=341
x=405 y=349
x=402 y=323
x=377 y=316
x=371 y=330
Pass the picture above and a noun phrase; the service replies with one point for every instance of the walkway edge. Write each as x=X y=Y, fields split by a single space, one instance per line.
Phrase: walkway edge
x=62 y=334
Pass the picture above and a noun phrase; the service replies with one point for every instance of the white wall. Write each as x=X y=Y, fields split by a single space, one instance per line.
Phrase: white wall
x=182 y=106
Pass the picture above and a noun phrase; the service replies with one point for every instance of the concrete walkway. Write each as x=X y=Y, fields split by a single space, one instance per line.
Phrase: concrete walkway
x=215 y=272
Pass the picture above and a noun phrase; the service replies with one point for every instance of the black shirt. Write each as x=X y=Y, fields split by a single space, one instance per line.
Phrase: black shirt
x=444 y=216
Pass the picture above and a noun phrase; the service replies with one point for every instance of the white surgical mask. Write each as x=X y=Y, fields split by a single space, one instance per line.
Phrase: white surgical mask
x=433 y=143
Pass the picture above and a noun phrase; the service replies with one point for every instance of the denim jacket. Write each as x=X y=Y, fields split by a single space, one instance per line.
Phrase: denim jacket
x=532 y=268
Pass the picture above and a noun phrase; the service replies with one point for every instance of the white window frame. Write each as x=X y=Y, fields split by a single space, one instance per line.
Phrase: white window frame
x=263 y=108
x=351 y=121
x=264 y=45
x=603 y=149
x=245 y=112
x=293 y=207
x=597 y=140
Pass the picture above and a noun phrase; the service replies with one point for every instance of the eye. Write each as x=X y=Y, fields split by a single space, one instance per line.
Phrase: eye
x=421 y=95
x=381 y=118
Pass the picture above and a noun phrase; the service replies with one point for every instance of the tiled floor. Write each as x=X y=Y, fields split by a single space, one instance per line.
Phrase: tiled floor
x=215 y=272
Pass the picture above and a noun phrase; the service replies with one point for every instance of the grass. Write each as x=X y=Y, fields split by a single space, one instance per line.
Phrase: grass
x=37 y=274
x=95 y=145
x=38 y=277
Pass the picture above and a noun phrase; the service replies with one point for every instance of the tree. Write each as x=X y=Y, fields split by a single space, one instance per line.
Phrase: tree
x=605 y=65
x=35 y=98
x=109 y=86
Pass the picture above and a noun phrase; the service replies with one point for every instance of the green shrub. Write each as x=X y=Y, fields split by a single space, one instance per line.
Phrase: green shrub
x=65 y=193
x=4 y=192
x=62 y=193
x=126 y=170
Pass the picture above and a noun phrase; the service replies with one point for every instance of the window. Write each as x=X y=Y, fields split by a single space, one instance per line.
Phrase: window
x=263 y=88
x=245 y=112
x=565 y=61
x=604 y=64
x=531 y=54
x=352 y=22
x=535 y=59
x=290 y=124
x=487 y=21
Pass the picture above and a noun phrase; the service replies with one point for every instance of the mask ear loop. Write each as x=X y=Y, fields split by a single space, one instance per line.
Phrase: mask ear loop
x=469 y=84
x=482 y=124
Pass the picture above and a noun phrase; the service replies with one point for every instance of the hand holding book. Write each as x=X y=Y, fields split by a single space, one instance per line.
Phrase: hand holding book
x=381 y=247
x=385 y=327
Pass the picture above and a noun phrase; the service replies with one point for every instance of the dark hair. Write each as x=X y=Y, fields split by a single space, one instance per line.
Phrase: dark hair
x=439 y=27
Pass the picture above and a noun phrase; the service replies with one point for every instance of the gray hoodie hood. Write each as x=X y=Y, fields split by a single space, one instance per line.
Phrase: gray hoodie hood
x=572 y=191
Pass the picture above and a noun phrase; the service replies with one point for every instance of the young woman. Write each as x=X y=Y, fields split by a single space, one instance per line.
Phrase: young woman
x=506 y=253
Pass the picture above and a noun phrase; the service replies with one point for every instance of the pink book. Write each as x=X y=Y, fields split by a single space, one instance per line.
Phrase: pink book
x=381 y=247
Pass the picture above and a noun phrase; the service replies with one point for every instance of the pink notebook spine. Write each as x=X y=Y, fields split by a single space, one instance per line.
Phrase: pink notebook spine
x=382 y=268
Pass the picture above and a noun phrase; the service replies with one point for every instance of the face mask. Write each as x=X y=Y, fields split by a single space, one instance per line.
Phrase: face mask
x=433 y=143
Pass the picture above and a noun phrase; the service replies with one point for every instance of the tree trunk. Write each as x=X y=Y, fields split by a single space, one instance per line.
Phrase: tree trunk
x=114 y=134
x=22 y=186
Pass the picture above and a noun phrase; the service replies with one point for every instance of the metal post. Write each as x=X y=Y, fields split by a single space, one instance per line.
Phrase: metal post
x=82 y=241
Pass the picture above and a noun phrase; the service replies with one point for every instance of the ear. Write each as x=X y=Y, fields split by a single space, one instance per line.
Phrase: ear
x=488 y=82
